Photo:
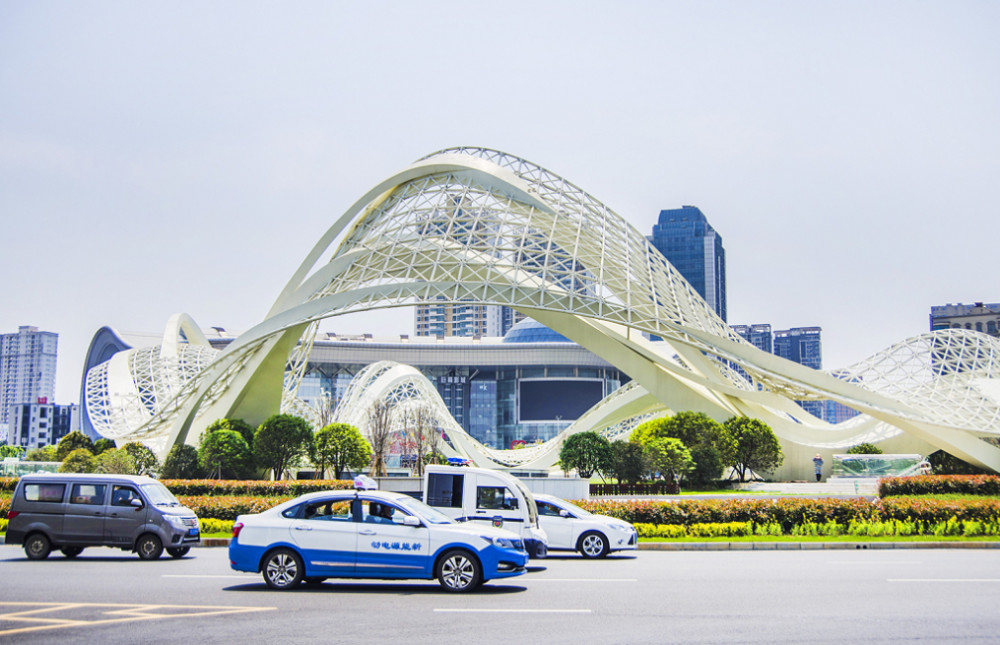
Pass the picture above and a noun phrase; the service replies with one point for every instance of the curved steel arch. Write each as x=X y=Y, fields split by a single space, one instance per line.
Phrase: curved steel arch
x=472 y=224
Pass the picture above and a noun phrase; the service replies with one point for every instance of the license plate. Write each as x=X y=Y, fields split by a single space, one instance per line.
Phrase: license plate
x=192 y=532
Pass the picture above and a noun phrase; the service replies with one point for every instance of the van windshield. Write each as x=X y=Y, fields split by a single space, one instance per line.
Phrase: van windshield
x=529 y=502
x=158 y=495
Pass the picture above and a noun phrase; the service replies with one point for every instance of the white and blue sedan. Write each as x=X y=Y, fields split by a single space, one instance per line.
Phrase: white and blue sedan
x=571 y=528
x=370 y=534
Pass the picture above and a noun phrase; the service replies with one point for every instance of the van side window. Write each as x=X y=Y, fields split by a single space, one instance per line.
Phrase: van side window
x=123 y=496
x=44 y=492
x=445 y=490
x=87 y=494
x=496 y=498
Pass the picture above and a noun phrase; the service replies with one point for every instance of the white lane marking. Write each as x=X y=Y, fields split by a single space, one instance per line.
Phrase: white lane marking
x=512 y=611
x=577 y=579
x=909 y=563
x=943 y=580
x=193 y=575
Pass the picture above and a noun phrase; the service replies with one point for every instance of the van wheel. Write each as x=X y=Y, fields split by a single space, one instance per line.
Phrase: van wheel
x=459 y=571
x=37 y=547
x=283 y=569
x=593 y=545
x=178 y=551
x=71 y=551
x=149 y=547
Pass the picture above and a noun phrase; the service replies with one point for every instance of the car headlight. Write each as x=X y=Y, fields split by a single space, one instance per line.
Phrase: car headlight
x=500 y=542
x=176 y=521
x=622 y=527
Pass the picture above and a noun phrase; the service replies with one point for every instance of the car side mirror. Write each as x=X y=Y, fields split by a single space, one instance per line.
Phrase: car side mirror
x=563 y=513
x=410 y=520
x=136 y=503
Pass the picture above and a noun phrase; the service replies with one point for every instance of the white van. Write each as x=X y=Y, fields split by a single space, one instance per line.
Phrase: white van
x=468 y=494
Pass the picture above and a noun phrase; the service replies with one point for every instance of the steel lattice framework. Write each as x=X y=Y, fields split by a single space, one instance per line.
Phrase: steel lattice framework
x=471 y=224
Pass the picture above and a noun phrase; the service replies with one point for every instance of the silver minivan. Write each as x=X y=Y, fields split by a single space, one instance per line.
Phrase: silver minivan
x=70 y=512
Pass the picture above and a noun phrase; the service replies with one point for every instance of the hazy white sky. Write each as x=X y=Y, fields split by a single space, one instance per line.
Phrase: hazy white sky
x=167 y=157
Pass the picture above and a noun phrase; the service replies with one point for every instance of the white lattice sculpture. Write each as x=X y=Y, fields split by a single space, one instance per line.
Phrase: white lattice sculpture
x=469 y=224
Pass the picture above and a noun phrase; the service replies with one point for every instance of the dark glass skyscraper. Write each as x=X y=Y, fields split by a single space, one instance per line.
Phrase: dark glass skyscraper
x=684 y=236
x=802 y=345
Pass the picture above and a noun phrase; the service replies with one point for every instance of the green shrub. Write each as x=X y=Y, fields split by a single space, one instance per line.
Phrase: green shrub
x=3 y=525
x=212 y=525
x=228 y=507
x=253 y=487
x=985 y=485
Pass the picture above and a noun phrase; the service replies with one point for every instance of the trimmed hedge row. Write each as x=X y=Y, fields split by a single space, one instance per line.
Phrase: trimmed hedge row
x=986 y=485
x=790 y=512
x=253 y=487
x=229 y=506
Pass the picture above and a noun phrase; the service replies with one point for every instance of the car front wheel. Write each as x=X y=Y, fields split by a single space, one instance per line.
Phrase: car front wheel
x=149 y=547
x=593 y=545
x=459 y=571
x=283 y=570
x=37 y=547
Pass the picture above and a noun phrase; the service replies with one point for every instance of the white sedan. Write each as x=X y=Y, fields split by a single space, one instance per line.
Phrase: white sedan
x=571 y=528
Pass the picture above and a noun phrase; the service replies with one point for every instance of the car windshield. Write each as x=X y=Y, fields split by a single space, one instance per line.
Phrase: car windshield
x=431 y=515
x=158 y=495
x=574 y=509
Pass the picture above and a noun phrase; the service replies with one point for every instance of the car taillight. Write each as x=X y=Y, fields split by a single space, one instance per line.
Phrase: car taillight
x=12 y=514
x=237 y=528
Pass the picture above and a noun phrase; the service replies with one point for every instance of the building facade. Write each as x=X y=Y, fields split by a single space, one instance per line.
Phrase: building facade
x=976 y=317
x=27 y=370
x=684 y=236
x=39 y=424
x=465 y=320
x=760 y=336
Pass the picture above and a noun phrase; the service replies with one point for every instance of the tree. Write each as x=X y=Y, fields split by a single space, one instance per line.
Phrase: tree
x=45 y=453
x=421 y=435
x=864 y=449
x=73 y=441
x=224 y=454
x=80 y=460
x=281 y=441
x=246 y=430
x=758 y=449
x=628 y=464
x=181 y=463
x=11 y=451
x=587 y=452
x=115 y=461
x=340 y=446
x=145 y=459
x=712 y=446
x=103 y=444
x=379 y=429
x=669 y=457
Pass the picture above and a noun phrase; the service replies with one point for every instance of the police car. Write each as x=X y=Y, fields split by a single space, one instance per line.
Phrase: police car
x=370 y=534
x=571 y=528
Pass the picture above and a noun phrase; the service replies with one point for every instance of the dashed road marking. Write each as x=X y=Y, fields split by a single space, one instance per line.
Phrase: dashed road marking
x=23 y=617
x=512 y=611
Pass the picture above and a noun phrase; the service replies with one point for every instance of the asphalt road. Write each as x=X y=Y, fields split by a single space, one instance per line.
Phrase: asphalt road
x=864 y=596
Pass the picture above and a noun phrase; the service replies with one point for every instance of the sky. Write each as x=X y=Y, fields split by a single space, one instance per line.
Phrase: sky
x=163 y=157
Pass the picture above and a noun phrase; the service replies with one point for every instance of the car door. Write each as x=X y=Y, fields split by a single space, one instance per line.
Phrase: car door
x=388 y=547
x=498 y=505
x=124 y=520
x=560 y=529
x=327 y=536
x=85 y=513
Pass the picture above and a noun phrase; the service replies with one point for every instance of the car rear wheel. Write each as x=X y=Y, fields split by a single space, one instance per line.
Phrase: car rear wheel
x=283 y=569
x=149 y=547
x=71 y=551
x=459 y=571
x=593 y=545
x=178 y=551
x=37 y=547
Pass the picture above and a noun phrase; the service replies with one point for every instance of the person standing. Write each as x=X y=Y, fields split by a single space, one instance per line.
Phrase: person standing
x=818 y=465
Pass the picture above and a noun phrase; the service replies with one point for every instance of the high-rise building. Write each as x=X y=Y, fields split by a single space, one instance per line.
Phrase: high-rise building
x=27 y=370
x=468 y=320
x=802 y=345
x=684 y=236
x=39 y=424
x=759 y=336
x=976 y=317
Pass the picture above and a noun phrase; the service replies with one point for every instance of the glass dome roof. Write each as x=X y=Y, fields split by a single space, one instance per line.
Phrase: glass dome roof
x=531 y=331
